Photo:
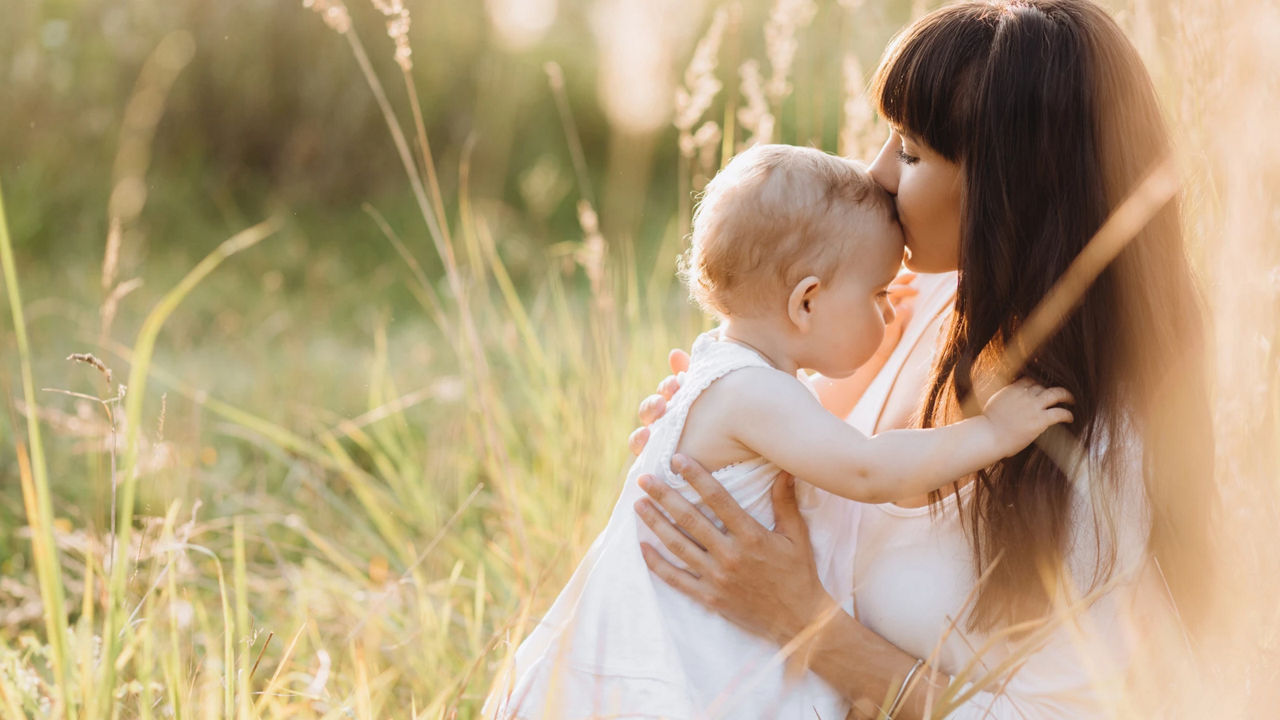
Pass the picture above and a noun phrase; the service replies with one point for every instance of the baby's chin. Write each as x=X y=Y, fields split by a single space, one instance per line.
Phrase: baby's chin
x=840 y=373
x=855 y=365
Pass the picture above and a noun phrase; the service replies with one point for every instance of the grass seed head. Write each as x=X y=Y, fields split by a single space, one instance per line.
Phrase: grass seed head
x=95 y=363
x=700 y=81
x=334 y=13
x=785 y=22
x=398 y=30
x=858 y=130
x=755 y=115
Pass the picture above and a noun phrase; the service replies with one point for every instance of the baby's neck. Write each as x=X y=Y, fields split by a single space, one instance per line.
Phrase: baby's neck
x=763 y=336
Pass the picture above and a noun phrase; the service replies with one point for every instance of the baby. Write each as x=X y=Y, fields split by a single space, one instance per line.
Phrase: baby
x=793 y=249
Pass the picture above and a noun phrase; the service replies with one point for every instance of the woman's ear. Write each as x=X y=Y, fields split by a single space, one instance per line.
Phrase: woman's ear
x=800 y=303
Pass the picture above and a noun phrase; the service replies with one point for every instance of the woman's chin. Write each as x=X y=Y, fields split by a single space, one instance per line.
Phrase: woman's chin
x=919 y=263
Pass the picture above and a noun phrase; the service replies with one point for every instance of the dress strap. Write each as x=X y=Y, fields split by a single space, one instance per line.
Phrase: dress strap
x=712 y=358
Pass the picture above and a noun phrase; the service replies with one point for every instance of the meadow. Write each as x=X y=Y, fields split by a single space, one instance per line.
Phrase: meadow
x=362 y=298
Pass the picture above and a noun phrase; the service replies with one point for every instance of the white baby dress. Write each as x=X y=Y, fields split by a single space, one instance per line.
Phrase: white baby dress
x=620 y=643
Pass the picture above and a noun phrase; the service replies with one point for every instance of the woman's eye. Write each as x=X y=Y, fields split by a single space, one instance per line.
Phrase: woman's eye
x=907 y=159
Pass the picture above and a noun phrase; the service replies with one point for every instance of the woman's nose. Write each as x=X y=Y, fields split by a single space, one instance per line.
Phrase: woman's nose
x=884 y=169
x=889 y=313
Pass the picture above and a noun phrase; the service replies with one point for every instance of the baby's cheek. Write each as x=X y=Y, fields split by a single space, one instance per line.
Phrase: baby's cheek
x=872 y=333
x=878 y=336
x=886 y=313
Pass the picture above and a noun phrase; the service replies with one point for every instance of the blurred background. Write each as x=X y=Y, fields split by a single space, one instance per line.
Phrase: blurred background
x=373 y=440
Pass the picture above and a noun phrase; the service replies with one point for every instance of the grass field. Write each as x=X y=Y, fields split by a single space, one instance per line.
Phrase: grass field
x=348 y=450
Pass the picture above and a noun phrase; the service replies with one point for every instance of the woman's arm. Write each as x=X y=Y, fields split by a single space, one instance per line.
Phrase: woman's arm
x=766 y=582
x=855 y=661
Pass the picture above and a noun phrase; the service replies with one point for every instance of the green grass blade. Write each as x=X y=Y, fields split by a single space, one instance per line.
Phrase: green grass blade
x=48 y=569
x=138 y=371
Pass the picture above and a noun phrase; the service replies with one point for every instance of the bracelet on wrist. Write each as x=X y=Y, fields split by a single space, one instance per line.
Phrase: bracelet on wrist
x=902 y=690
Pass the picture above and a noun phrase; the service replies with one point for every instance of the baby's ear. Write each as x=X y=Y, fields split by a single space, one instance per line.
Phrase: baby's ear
x=800 y=303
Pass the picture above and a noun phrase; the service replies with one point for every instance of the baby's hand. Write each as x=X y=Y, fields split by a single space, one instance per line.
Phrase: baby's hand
x=1021 y=411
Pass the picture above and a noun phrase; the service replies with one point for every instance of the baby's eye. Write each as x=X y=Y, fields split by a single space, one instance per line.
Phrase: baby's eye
x=907 y=159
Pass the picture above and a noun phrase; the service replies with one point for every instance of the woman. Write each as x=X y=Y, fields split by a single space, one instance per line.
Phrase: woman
x=1017 y=127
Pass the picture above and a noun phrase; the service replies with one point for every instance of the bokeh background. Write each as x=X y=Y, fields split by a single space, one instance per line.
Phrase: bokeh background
x=367 y=449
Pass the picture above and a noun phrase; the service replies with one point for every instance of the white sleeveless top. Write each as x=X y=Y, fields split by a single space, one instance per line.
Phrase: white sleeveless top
x=914 y=575
x=620 y=643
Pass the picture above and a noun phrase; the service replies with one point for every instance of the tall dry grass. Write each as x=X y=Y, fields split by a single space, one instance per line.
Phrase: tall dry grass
x=406 y=548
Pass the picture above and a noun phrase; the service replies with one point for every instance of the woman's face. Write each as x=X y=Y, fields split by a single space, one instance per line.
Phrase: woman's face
x=927 y=188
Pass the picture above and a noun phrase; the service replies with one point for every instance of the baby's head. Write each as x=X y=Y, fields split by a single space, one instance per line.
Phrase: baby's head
x=803 y=237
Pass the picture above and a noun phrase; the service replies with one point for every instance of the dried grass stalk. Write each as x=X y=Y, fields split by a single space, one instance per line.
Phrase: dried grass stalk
x=701 y=85
x=334 y=13
x=397 y=30
x=786 y=19
x=857 y=127
x=754 y=116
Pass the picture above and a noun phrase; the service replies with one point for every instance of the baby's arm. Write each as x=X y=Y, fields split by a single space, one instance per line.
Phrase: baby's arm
x=776 y=417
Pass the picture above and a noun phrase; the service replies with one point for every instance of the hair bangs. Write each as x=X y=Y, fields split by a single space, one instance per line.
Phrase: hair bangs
x=928 y=75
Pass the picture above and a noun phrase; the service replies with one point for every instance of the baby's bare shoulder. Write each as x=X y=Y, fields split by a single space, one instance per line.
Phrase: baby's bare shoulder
x=752 y=389
x=716 y=416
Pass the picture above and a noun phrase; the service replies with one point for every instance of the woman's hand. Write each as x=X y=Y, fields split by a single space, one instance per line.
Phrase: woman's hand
x=654 y=406
x=764 y=581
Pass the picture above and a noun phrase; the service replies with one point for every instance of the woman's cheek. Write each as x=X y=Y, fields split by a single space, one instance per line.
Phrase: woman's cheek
x=908 y=211
x=932 y=235
x=914 y=232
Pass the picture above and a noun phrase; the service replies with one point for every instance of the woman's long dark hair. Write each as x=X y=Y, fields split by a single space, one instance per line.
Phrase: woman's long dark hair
x=1051 y=115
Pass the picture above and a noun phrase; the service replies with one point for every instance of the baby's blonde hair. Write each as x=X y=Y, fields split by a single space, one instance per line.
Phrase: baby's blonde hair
x=774 y=215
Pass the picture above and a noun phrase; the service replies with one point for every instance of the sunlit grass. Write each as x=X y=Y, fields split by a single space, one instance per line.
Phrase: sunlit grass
x=360 y=523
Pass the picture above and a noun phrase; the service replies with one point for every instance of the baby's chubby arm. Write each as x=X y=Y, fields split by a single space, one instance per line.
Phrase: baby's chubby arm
x=775 y=416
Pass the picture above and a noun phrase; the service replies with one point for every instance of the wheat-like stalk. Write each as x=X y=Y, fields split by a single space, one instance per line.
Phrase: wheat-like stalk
x=333 y=12
x=857 y=127
x=706 y=142
x=701 y=85
x=397 y=30
x=786 y=19
x=755 y=116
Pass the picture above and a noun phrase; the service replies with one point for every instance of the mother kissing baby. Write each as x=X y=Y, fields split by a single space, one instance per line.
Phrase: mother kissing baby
x=1017 y=127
